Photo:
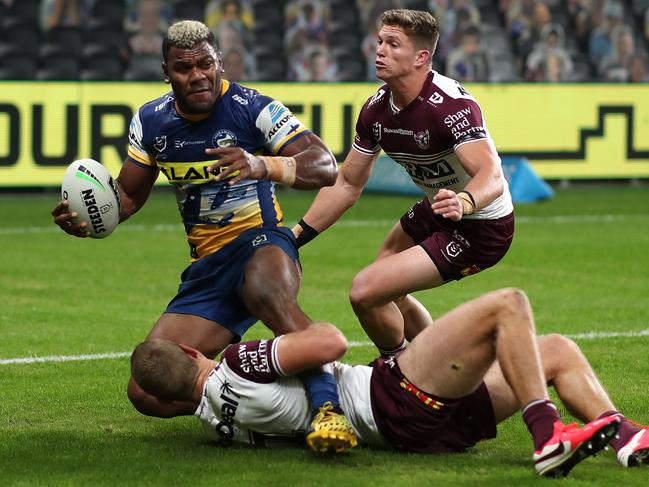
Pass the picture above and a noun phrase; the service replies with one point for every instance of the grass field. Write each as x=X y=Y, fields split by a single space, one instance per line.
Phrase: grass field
x=581 y=257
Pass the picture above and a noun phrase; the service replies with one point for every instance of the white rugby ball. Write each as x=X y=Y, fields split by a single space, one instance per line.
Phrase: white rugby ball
x=91 y=192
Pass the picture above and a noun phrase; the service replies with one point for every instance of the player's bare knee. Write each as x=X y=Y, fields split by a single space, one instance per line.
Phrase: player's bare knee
x=361 y=296
x=512 y=300
x=562 y=346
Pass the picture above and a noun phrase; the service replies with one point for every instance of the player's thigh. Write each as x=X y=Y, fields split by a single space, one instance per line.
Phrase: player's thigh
x=394 y=276
x=451 y=357
x=271 y=269
x=204 y=335
x=396 y=241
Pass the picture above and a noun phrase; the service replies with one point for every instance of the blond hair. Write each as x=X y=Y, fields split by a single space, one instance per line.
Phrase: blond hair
x=185 y=34
x=161 y=368
x=420 y=26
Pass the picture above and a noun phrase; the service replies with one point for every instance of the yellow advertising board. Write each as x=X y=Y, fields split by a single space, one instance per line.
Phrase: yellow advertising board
x=566 y=131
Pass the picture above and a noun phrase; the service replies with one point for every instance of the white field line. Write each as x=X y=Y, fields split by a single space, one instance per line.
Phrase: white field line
x=561 y=219
x=593 y=335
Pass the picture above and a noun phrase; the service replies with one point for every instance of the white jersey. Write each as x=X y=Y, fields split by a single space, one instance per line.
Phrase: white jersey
x=248 y=400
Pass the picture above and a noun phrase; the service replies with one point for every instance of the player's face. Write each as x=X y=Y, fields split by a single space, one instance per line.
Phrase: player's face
x=396 y=54
x=195 y=76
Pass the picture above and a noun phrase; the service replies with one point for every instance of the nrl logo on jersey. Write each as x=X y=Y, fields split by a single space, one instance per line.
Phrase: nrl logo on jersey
x=224 y=138
x=422 y=139
x=160 y=143
x=376 y=131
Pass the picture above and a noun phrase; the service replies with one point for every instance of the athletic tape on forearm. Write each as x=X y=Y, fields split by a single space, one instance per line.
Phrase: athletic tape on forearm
x=280 y=169
x=468 y=203
x=307 y=234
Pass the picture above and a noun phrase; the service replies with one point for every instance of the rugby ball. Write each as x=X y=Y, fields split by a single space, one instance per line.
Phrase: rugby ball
x=91 y=192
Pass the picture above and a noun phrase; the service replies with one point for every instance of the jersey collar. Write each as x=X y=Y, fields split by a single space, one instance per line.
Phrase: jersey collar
x=395 y=110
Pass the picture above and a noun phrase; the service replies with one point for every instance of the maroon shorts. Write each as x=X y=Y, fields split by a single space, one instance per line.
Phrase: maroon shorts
x=425 y=423
x=460 y=248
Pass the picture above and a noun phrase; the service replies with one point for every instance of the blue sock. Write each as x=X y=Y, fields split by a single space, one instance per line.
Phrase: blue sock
x=320 y=387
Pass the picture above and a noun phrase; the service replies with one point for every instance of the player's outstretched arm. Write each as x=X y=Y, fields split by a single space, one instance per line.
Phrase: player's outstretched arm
x=134 y=183
x=330 y=203
x=317 y=345
x=480 y=160
x=305 y=163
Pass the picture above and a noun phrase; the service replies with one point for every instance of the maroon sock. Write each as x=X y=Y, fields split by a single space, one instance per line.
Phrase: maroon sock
x=540 y=416
x=624 y=434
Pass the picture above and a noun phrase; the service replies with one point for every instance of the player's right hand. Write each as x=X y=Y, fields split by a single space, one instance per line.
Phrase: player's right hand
x=65 y=219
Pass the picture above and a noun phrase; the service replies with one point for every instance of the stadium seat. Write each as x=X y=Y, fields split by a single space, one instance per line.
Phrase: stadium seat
x=416 y=4
x=271 y=69
x=104 y=66
x=104 y=40
x=188 y=9
x=59 y=68
x=22 y=34
x=108 y=14
x=62 y=40
x=17 y=66
x=350 y=69
x=344 y=13
x=268 y=13
x=26 y=9
x=144 y=67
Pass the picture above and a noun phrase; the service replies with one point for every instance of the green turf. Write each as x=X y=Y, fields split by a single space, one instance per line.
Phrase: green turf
x=581 y=257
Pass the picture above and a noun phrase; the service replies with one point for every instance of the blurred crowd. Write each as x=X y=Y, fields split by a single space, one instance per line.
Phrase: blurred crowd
x=328 y=40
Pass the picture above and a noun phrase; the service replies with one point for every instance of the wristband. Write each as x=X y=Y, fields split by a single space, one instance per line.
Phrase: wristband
x=280 y=169
x=468 y=203
x=307 y=234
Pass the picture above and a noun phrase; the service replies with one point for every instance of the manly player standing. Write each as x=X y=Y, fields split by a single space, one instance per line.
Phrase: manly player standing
x=431 y=126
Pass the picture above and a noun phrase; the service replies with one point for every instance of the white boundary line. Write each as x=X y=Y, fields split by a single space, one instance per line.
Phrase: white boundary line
x=348 y=223
x=593 y=335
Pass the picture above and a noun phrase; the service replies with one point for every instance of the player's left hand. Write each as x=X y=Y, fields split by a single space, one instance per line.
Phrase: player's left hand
x=448 y=205
x=236 y=164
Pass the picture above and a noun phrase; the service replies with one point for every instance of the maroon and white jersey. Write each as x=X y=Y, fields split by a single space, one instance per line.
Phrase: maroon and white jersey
x=247 y=399
x=423 y=137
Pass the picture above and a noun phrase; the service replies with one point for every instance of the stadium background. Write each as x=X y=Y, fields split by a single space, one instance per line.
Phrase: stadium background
x=71 y=310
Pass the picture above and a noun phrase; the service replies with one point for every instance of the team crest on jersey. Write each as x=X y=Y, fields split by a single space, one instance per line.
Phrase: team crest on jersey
x=160 y=143
x=376 y=131
x=224 y=138
x=422 y=139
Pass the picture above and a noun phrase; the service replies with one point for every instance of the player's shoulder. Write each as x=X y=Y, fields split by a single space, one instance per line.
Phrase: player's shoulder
x=246 y=98
x=157 y=107
x=445 y=90
x=377 y=99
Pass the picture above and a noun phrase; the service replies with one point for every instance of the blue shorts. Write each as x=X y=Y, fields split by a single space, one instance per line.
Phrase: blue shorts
x=211 y=287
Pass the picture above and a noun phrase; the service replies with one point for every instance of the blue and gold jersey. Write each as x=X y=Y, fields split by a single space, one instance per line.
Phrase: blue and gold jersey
x=214 y=213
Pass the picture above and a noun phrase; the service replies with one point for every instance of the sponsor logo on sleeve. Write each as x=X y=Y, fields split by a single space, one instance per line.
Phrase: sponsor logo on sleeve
x=240 y=100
